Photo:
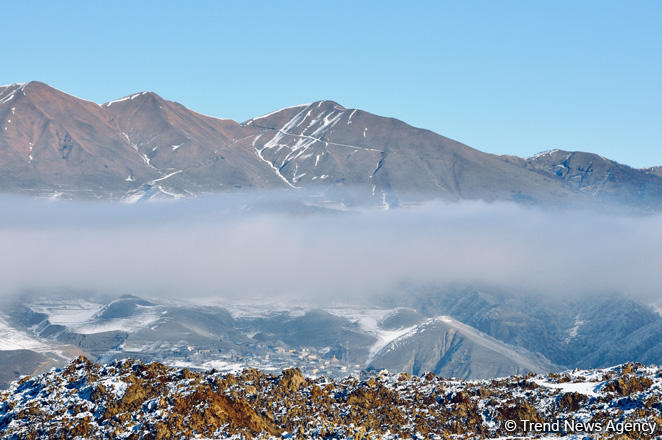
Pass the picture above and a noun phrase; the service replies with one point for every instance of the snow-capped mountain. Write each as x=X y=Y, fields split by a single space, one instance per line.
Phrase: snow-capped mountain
x=143 y=146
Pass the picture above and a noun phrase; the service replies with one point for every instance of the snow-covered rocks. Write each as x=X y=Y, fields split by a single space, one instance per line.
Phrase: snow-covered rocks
x=132 y=400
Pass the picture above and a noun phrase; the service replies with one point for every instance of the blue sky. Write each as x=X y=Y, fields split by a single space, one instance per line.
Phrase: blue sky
x=507 y=77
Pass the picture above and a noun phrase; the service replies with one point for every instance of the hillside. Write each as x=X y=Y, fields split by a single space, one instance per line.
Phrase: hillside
x=143 y=146
x=449 y=348
x=129 y=399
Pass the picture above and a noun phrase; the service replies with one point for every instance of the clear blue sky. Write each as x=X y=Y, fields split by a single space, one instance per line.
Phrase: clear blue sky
x=512 y=77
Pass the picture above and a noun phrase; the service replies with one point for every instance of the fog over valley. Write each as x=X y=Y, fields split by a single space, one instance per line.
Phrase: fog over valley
x=252 y=246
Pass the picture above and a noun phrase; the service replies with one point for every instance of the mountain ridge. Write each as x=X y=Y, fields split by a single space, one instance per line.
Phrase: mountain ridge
x=144 y=146
x=131 y=399
x=448 y=347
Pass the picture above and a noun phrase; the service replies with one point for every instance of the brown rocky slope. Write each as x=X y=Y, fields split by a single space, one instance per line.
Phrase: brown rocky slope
x=143 y=146
x=132 y=400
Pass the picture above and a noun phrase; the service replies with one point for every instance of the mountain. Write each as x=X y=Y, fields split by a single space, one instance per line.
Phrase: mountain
x=55 y=143
x=462 y=333
x=52 y=142
x=588 y=331
x=132 y=400
x=324 y=142
x=335 y=341
x=191 y=152
x=23 y=353
x=143 y=146
x=597 y=176
x=447 y=347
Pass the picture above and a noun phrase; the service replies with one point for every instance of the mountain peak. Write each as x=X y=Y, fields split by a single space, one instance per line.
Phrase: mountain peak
x=315 y=106
x=13 y=85
x=37 y=84
x=556 y=154
x=129 y=142
x=8 y=91
x=40 y=87
x=327 y=104
x=545 y=153
x=42 y=91
x=139 y=95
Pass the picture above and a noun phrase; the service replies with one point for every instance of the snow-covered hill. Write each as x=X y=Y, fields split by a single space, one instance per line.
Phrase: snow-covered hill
x=448 y=347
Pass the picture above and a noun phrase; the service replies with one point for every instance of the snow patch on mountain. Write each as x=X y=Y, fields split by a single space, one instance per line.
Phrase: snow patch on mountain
x=70 y=313
x=13 y=339
x=543 y=154
x=585 y=388
x=250 y=121
x=126 y=98
x=368 y=320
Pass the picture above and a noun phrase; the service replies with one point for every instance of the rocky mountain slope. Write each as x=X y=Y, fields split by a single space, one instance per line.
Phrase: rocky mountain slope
x=54 y=143
x=325 y=142
x=593 y=174
x=586 y=332
x=132 y=400
x=449 y=348
x=142 y=146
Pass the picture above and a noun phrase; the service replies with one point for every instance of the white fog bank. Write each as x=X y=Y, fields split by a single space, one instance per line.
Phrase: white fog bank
x=215 y=247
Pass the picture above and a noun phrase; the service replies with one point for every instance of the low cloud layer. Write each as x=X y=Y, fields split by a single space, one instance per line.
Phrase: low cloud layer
x=217 y=247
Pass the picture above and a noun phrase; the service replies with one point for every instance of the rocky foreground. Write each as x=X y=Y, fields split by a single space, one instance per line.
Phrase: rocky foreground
x=131 y=400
